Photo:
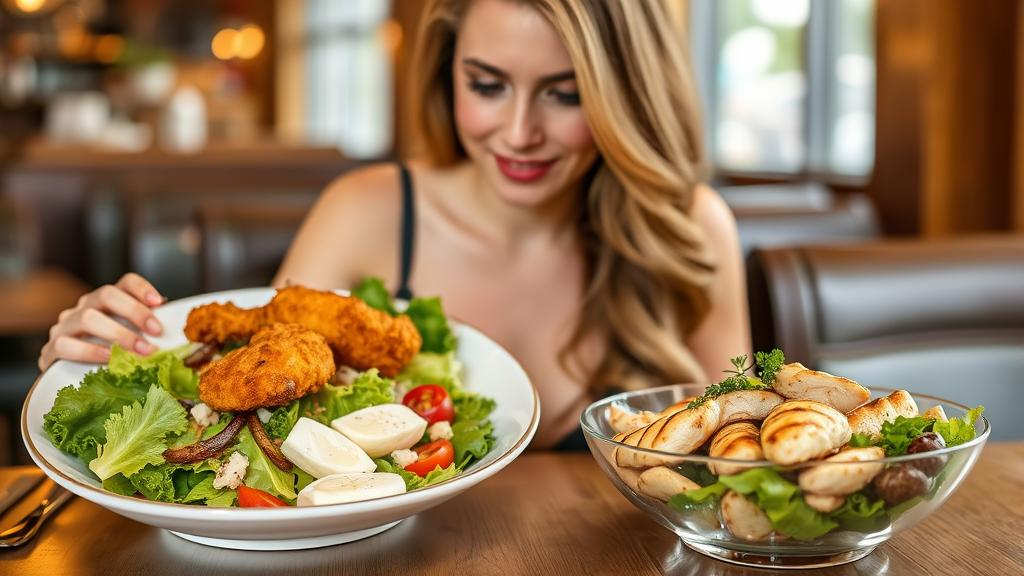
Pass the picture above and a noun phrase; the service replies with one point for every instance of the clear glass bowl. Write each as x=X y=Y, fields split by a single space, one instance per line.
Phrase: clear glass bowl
x=702 y=527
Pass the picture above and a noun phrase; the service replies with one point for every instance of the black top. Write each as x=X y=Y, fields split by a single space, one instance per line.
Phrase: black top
x=573 y=442
x=408 y=243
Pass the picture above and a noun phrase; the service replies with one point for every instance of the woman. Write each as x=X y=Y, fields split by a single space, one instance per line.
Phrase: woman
x=558 y=207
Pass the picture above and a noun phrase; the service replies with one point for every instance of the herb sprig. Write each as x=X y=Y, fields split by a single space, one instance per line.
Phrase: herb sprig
x=768 y=364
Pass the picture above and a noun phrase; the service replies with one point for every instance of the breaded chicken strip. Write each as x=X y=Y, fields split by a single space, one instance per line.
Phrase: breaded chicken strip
x=360 y=336
x=281 y=363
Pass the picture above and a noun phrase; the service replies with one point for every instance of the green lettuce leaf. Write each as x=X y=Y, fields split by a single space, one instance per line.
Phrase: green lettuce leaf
x=204 y=492
x=699 y=499
x=780 y=499
x=956 y=431
x=432 y=324
x=368 y=389
x=414 y=481
x=75 y=423
x=172 y=374
x=471 y=439
x=372 y=291
x=262 y=473
x=860 y=513
x=897 y=434
x=430 y=368
x=137 y=435
x=426 y=314
x=473 y=433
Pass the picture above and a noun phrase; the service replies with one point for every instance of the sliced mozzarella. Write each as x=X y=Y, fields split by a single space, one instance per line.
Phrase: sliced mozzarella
x=321 y=451
x=382 y=429
x=340 y=488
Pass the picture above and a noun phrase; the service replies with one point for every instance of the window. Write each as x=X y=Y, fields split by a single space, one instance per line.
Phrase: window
x=788 y=85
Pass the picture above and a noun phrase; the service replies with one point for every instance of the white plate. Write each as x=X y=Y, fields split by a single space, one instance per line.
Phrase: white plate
x=489 y=370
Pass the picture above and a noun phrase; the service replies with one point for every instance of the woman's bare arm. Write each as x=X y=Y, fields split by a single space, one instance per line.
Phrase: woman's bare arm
x=349 y=233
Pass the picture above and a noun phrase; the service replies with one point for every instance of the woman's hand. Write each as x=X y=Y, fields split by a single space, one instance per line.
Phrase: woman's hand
x=131 y=298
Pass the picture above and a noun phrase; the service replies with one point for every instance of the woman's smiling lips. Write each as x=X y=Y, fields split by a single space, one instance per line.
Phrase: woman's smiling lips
x=523 y=170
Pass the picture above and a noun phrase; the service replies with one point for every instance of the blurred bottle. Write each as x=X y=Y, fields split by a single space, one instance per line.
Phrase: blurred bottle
x=183 y=125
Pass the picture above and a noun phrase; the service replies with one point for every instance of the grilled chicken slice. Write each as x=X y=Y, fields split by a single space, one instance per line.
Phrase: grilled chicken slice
x=738 y=441
x=678 y=406
x=935 y=412
x=797 y=382
x=801 y=430
x=663 y=483
x=854 y=469
x=622 y=419
x=747 y=405
x=822 y=503
x=743 y=518
x=631 y=476
x=868 y=419
x=681 y=432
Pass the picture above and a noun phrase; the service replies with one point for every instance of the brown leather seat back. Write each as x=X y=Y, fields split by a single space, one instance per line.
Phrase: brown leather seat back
x=939 y=317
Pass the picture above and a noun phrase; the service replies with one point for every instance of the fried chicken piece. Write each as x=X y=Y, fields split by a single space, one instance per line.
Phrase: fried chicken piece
x=360 y=336
x=221 y=323
x=281 y=363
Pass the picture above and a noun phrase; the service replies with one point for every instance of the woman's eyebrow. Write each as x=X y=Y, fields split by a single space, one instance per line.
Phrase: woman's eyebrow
x=490 y=69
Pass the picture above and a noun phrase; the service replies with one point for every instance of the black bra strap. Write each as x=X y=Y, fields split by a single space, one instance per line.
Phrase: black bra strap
x=408 y=233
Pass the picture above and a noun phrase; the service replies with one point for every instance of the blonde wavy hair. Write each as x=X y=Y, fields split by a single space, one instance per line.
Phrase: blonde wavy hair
x=648 y=264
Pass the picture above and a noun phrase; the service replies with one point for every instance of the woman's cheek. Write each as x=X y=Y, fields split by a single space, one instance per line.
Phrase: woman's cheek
x=473 y=117
x=574 y=133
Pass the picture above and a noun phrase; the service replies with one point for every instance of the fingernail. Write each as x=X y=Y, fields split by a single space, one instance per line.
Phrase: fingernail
x=153 y=327
x=105 y=355
x=154 y=299
x=144 y=348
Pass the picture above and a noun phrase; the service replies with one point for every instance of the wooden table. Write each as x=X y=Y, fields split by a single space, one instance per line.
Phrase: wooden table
x=545 y=514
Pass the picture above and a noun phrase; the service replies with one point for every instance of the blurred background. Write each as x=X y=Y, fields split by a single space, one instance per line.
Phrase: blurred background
x=872 y=150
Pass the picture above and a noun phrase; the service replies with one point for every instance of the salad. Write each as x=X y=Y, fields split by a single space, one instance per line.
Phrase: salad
x=823 y=437
x=141 y=426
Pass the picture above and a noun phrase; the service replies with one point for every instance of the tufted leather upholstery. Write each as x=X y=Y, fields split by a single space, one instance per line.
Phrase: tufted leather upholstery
x=943 y=317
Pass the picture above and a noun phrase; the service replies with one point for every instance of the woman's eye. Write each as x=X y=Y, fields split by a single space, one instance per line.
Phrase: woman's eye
x=486 y=89
x=566 y=98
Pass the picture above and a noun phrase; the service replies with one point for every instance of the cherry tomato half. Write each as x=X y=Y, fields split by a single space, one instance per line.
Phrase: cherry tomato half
x=437 y=453
x=255 y=498
x=430 y=401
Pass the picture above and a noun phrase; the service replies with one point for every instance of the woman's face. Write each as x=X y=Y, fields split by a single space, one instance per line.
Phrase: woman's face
x=517 y=106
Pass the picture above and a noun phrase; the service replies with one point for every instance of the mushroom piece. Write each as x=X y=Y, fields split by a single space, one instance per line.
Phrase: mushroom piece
x=623 y=420
x=868 y=419
x=801 y=430
x=850 y=471
x=822 y=503
x=211 y=446
x=743 y=518
x=681 y=432
x=738 y=441
x=273 y=452
x=747 y=405
x=900 y=483
x=663 y=483
x=797 y=382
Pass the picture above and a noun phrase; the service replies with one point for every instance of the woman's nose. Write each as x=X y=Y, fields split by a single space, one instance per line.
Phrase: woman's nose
x=523 y=130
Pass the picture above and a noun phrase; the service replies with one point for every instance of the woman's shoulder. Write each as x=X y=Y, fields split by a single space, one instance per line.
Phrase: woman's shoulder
x=370 y=187
x=712 y=214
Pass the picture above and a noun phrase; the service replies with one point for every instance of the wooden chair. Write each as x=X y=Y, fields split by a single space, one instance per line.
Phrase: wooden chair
x=942 y=317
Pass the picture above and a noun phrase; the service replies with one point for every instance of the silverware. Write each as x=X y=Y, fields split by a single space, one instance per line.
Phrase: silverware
x=24 y=530
x=22 y=485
